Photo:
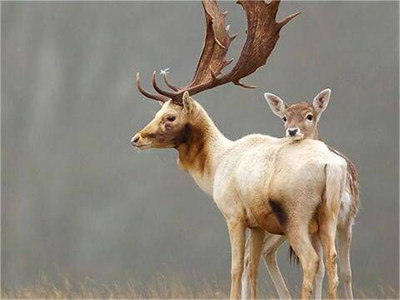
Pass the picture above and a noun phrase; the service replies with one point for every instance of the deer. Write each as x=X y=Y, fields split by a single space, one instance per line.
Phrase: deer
x=301 y=121
x=258 y=182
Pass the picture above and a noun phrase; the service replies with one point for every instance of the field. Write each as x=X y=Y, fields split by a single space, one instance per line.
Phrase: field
x=159 y=287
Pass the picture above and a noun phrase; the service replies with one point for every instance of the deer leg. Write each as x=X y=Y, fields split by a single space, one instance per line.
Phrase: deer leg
x=256 y=244
x=237 y=237
x=271 y=245
x=327 y=232
x=247 y=281
x=246 y=271
x=345 y=235
x=300 y=241
x=321 y=268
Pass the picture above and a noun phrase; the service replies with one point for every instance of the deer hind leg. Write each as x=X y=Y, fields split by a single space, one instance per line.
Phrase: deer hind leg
x=321 y=268
x=345 y=235
x=271 y=245
x=237 y=230
x=246 y=271
x=256 y=245
x=252 y=246
x=300 y=241
x=327 y=232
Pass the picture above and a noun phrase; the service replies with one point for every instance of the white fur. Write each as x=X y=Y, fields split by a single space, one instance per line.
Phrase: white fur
x=243 y=176
x=344 y=208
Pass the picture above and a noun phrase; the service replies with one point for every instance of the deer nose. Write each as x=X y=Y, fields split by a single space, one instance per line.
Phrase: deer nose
x=135 y=139
x=292 y=131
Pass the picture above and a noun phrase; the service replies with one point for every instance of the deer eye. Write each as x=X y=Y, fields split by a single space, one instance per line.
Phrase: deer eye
x=284 y=119
x=309 y=117
x=171 y=118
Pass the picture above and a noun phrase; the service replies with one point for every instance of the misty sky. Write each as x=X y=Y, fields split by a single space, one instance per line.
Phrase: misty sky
x=78 y=199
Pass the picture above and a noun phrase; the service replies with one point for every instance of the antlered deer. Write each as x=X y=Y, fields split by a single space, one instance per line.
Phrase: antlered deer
x=258 y=182
x=301 y=122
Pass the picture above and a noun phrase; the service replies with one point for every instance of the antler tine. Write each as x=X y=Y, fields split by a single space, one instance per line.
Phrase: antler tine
x=169 y=84
x=158 y=89
x=262 y=36
x=288 y=19
x=246 y=86
x=147 y=94
x=216 y=45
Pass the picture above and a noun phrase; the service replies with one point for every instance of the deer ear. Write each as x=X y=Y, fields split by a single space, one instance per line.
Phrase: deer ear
x=187 y=102
x=276 y=104
x=321 y=101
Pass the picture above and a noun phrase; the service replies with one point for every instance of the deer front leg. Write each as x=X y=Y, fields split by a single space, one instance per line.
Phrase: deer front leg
x=237 y=236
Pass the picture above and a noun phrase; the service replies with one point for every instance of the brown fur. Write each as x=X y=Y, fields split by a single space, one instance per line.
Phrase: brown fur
x=279 y=212
x=272 y=223
x=193 y=149
x=188 y=133
x=297 y=113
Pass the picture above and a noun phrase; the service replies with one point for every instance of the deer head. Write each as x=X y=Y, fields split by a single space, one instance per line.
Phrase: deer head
x=169 y=127
x=262 y=36
x=300 y=119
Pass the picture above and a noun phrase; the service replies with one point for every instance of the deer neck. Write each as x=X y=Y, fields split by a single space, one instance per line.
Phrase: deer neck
x=315 y=135
x=200 y=148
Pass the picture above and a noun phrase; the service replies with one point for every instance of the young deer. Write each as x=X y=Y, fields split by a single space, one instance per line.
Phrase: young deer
x=257 y=182
x=301 y=122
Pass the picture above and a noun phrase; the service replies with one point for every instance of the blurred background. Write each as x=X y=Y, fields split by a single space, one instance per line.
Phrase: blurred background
x=78 y=200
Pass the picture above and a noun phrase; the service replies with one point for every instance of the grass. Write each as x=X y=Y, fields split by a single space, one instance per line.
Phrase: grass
x=159 y=287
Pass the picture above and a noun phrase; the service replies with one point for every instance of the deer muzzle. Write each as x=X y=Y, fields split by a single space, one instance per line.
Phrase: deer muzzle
x=140 y=142
x=294 y=133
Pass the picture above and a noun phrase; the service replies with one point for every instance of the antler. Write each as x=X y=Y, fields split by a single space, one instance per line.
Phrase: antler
x=262 y=36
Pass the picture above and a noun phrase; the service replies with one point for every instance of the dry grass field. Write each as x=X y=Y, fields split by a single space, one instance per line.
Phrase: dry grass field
x=159 y=287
